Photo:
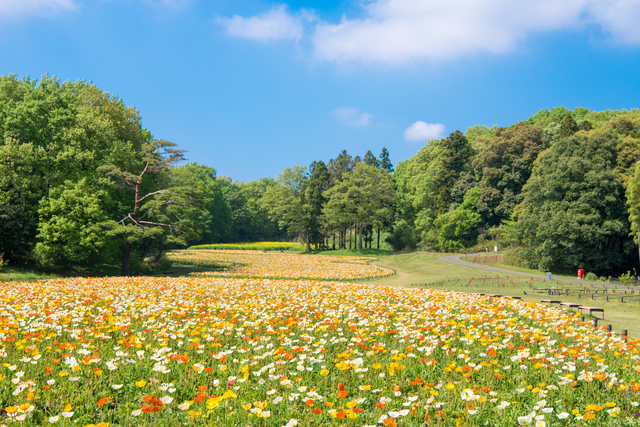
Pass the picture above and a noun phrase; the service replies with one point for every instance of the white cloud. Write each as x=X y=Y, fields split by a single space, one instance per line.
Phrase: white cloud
x=20 y=8
x=276 y=24
x=396 y=31
x=352 y=116
x=422 y=131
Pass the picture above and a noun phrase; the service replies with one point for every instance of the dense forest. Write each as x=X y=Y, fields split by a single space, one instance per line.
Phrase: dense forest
x=84 y=185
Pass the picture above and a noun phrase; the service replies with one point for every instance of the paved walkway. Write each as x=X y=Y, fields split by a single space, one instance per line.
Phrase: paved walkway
x=455 y=259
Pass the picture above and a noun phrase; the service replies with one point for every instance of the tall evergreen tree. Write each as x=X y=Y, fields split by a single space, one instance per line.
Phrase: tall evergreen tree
x=370 y=159
x=453 y=160
x=339 y=166
x=385 y=163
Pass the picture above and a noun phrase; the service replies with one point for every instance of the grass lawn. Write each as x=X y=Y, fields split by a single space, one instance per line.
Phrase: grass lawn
x=14 y=274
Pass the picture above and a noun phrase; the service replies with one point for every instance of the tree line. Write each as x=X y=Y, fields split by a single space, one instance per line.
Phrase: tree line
x=84 y=185
x=558 y=191
x=326 y=201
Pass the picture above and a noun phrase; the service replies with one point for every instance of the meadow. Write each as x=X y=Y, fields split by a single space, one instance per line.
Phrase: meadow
x=222 y=351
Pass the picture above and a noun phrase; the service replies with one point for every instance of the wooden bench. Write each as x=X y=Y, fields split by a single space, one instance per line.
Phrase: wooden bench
x=569 y=305
x=512 y=297
x=494 y=296
x=591 y=310
x=550 y=301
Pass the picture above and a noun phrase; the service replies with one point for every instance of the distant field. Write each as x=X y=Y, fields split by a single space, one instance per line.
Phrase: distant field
x=233 y=263
x=255 y=246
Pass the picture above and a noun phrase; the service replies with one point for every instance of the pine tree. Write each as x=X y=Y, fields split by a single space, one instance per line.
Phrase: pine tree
x=370 y=159
x=452 y=161
x=385 y=163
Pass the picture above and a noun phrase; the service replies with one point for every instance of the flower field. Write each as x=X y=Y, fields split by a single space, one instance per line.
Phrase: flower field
x=255 y=246
x=278 y=265
x=258 y=352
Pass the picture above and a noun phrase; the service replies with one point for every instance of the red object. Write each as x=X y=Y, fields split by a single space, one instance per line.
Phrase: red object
x=580 y=273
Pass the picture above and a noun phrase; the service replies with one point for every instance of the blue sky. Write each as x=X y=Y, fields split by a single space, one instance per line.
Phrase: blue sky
x=252 y=87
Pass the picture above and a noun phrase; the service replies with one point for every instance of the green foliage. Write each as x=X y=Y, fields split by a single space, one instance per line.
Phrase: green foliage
x=340 y=166
x=67 y=234
x=365 y=197
x=452 y=162
x=370 y=159
x=250 y=219
x=286 y=201
x=479 y=135
x=457 y=228
x=401 y=237
x=568 y=127
x=385 y=163
x=213 y=222
x=162 y=210
x=572 y=213
x=504 y=166
x=54 y=133
x=315 y=198
x=592 y=276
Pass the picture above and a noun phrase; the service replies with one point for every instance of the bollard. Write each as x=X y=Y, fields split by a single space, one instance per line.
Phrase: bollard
x=595 y=322
x=582 y=319
x=608 y=328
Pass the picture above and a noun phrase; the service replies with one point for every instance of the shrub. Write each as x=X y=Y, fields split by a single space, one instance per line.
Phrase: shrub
x=592 y=276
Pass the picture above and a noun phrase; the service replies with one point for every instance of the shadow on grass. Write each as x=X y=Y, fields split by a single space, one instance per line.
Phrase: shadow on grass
x=353 y=252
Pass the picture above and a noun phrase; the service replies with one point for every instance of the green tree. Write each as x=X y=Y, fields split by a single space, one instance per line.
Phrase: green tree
x=286 y=202
x=568 y=127
x=370 y=159
x=385 y=163
x=458 y=228
x=504 y=166
x=573 y=215
x=214 y=221
x=55 y=132
x=364 y=197
x=250 y=220
x=319 y=182
x=67 y=232
x=453 y=160
x=340 y=166
x=158 y=210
